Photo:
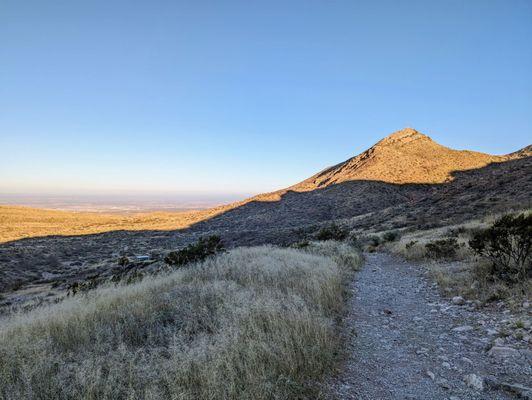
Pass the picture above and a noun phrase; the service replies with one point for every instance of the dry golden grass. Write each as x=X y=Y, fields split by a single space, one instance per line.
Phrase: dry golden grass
x=254 y=323
x=24 y=222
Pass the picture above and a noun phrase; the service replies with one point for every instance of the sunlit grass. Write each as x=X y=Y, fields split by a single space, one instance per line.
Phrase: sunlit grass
x=254 y=323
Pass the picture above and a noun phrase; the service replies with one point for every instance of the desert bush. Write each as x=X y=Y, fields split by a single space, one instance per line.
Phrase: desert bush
x=410 y=244
x=410 y=249
x=374 y=240
x=354 y=241
x=300 y=245
x=123 y=261
x=390 y=236
x=332 y=232
x=252 y=323
x=506 y=244
x=198 y=251
x=442 y=248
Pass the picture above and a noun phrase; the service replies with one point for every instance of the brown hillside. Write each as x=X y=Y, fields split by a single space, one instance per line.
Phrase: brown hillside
x=405 y=156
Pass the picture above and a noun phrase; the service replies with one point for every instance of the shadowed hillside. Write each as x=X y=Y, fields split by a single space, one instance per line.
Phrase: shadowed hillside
x=405 y=180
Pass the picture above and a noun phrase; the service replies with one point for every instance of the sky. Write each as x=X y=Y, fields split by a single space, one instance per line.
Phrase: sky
x=218 y=97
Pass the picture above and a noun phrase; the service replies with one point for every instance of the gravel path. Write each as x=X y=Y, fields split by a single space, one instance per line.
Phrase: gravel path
x=407 y=342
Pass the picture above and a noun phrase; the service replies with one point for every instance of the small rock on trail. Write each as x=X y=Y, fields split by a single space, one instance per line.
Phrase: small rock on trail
x=406 y=345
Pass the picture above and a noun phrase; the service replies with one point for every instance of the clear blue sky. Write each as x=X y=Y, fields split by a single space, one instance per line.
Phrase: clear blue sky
x=247 y=96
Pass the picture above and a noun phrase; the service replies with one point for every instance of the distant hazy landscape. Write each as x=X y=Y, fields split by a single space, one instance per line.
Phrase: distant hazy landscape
x=119 y=204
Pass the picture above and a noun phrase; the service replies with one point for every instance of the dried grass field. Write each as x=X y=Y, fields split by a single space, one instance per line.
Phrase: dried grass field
x=253 y=323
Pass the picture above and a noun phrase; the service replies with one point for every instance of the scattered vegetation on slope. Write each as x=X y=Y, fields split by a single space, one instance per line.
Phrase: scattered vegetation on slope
x=487 y=260
x=252 y=323
x=194 y=252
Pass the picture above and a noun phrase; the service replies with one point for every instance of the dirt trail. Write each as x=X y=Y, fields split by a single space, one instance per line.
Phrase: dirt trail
x=403 y=342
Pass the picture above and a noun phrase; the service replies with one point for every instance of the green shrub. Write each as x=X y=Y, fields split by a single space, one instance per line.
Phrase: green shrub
x=123 y=261
x=198 y=251
x=442 y=248
x=332 y=232
x=506 y=244
x=374 y=240
x=391 y=236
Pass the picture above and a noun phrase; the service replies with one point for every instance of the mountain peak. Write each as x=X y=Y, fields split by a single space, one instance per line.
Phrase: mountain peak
x=403 y=136
x=405 y=157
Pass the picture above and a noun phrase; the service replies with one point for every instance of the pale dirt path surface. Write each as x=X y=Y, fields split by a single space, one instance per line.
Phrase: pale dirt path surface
x=401 y=342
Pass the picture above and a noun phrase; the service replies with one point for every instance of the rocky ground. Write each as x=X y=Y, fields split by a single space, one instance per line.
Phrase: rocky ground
x=407 y=342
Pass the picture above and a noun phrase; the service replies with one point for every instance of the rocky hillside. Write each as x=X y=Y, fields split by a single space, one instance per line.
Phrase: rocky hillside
x=404 y=157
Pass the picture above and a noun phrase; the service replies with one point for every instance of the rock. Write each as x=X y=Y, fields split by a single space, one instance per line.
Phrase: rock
x=474 y=381
x=444 y=383
x=499 y=342
x=467 y=360
x=458 y=300
x=521 y=391
x=446 y=365
x=464 y=328
x=492 y=382
x=526 y=305
x=503 y=352
x=430 y=374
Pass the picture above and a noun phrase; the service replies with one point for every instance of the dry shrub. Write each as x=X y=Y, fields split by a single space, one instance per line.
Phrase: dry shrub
x=431 y=248
x=507 y=244
x=195 y=252
x=442 y=249
x=253 y=323
x=332 y=232
x=413 y=250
